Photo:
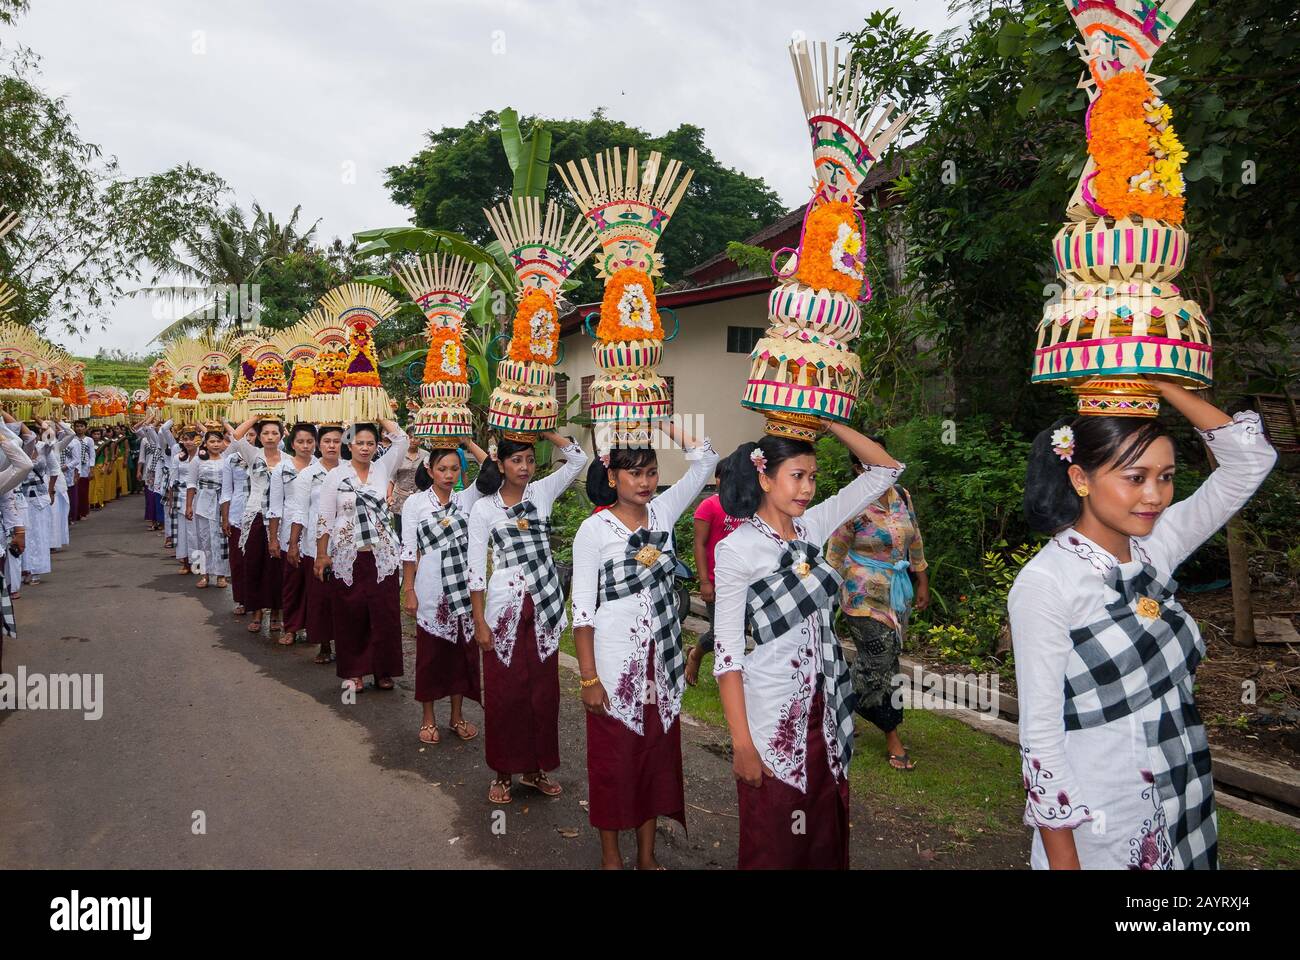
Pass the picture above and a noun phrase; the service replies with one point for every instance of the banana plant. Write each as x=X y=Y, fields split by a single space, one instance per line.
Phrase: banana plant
x=529 y=157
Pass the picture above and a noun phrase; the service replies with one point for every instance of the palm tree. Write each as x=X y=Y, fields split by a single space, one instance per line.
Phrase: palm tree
x=222 y=260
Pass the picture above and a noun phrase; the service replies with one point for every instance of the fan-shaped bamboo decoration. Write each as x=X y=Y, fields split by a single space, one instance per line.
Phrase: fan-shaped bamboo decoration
x=1120 y=318
x=359 y=308
x=444 y=287
x=543 y=255
x=805 y=372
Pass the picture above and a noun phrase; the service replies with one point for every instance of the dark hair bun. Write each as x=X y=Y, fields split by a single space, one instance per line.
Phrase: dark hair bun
x=489 y=476
x=739 y=489
x=599 y=491
x=1051 y=503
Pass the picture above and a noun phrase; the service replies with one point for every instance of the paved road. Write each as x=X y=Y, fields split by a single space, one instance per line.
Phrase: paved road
x=200 y=716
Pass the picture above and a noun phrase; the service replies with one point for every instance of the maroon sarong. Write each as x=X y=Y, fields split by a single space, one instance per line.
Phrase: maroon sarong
x=446 y=669
x=319 y=607
x=521 y=705
x=368 y=622
x=238 y=578
x=293 y=593
x=262 y=576
x=770 y=814
x=83 y=497
x=630 y=778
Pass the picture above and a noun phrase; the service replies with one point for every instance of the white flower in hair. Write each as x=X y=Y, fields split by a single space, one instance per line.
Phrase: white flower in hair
x=758 y=459
x=1063 y=443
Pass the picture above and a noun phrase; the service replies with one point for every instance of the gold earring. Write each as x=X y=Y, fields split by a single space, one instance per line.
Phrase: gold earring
x=612 y=483
x=1082 y=490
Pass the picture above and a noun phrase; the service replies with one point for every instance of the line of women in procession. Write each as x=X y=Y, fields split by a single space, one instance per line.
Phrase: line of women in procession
x=52 y=474
x=1104 y=653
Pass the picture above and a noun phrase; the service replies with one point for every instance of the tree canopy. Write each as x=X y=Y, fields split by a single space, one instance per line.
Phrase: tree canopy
x=464 y=169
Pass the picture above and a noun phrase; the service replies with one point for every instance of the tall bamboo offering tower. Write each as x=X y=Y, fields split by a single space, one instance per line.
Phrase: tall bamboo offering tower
x=243 y=347
x=359 y=308
x=629 y=209
x=324 y=406
x=300 y=349
x=268 y=391
x=805 y=371
x=1120 y=317
x=183 y=357
x=543 y=255
x=444 y=287
x=214 y=379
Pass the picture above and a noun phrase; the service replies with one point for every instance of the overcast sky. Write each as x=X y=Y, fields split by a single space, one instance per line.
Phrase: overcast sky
x=297 y=102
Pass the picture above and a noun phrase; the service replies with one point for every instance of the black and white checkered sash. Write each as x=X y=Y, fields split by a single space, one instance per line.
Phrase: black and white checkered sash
x=262 y=507
x=649 y=565
x=221 y=544
x=448 y=533
x=781 y=601
x=1155 y=663
x=8 y=625
x=374 y=520
x=529 y=546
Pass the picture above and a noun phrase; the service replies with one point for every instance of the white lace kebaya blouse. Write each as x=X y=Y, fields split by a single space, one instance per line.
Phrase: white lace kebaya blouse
x=626 y=627
x=234 y=485
x=339 y=515
x=1102 y=774
x=302 y=506
x=780 y=676
x=432 y=614
x=506 y=588
x=258 y=501
x=282 y=495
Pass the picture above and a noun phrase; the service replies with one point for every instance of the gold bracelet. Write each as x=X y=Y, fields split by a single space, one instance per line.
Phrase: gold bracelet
x=589 y=683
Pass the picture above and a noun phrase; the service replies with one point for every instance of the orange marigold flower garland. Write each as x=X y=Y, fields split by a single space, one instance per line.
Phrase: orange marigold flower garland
x=627 y=311
x=536 y=329
x=832 y=254
x=1138 y=155
x=212 y=380
x=446 y=359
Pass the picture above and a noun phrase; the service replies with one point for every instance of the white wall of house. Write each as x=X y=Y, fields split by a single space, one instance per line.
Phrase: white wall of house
x=707 y=380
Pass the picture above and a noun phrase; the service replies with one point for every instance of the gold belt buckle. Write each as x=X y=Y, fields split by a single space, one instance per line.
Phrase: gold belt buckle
x=647 y=555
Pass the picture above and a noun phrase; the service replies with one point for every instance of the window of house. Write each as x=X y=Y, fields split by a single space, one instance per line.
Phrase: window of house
x=743 y=339
x=562 y=391
x=584 y=402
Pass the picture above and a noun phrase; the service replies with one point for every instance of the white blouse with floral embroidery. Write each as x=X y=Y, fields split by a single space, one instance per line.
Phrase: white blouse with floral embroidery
x=626 y=627
x=506 y=587
x=779 y=676
x=433 y=613
x=1102 y=775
